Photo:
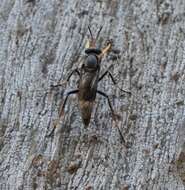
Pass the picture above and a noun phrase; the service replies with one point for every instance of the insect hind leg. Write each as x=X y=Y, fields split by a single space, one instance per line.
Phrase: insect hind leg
x=65 y=101
x=61 y=113
x=115 y=116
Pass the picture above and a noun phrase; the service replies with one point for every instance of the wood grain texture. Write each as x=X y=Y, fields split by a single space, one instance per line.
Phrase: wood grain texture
x=41 y=41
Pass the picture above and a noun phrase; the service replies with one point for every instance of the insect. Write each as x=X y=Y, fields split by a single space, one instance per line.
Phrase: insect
x=89 y=77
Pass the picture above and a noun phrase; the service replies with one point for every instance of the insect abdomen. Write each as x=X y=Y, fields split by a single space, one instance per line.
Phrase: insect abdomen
x=86 y=110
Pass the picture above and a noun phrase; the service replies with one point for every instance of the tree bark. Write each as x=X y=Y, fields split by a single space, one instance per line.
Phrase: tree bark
x=41 y=42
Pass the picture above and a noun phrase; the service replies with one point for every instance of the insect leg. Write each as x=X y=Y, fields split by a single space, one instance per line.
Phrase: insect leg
x=75 y=70
x=65 y=100
x=113 y=80
x=105 y=50
x=114 y=115
x=68 y=78
x=106 y=96
x=61 y=113
x=104 y=74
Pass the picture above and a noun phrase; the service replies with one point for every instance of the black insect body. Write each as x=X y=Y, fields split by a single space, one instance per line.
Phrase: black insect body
x=88 y=85
x=89 y=79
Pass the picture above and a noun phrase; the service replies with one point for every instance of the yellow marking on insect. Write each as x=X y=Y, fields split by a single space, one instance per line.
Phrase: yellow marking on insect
x=87 y=45
x=90 y=44
x=105 y=50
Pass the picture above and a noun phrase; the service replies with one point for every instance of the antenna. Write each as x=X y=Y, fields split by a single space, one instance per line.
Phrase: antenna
x=92 y=42
x=90 y=32
x=98 y=33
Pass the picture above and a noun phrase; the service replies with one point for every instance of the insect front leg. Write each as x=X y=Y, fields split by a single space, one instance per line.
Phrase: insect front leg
x=115 y=116
x=105 y=50
x=113 y=80
x=61 y=113
x=68 y=78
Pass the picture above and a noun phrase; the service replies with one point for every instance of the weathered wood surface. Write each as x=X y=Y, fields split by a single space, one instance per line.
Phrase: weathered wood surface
x=41 y=41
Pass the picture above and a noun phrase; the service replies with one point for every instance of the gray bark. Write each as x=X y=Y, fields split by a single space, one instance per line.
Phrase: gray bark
x=41 y=41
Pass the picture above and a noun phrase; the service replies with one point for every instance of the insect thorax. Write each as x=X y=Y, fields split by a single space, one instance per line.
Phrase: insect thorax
x=92 y=60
